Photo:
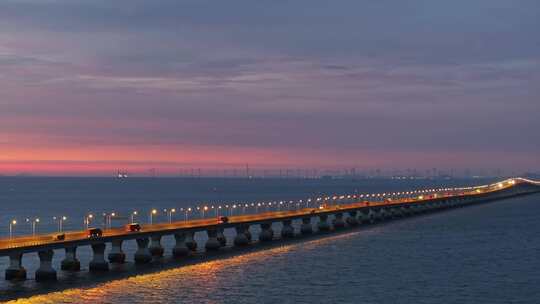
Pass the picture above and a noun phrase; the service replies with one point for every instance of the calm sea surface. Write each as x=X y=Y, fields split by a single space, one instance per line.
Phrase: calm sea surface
x=480 y=254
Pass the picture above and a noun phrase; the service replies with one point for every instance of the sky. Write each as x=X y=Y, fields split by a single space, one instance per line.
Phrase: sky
x=87 y=87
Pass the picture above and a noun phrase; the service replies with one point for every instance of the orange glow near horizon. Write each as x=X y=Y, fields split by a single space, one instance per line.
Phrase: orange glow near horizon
x=44 y=155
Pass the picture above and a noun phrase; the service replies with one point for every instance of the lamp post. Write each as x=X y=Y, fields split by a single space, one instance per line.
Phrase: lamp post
x=61 y=223
x=169 y=213
x=33 y=224
x=61 y=220
x=113 y=214
x=186 y=214
x=87 y=220
x=133 y=214
x=11 y=226
x=152 y=213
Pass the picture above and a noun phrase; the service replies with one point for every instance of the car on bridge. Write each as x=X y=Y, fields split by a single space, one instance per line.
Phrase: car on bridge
x=223 y=219
x=59 y=237
x=133 y=227
x=94 y=232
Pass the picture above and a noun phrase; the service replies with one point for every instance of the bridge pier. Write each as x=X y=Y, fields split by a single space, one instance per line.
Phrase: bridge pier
x=15 y=271
x=248 y=234
x=190 y=241
x=287 y=231
x=338 y=221
x=267 y=233
x=98 y=262
x=241 y=238
x=142 y=255
x=70 y=262
x=351 y=219
x=180 y=248
x=387 y=213
x=378 y=215
x=323 y=223
x=212 y=244
x=45 y=272
x=366 y=216
x=156 y=250
x=306 y=227
x=116 y=255
x=221 y=237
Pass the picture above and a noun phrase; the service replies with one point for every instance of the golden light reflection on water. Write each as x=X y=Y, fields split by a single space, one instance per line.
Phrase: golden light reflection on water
x=155 y=287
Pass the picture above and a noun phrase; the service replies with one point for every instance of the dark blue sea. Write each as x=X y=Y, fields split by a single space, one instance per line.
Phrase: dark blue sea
x=488 y=253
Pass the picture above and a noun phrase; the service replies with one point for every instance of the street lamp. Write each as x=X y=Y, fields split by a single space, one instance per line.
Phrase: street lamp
x=61 y=220
x=169 y=213
x=205 y=208
x=11 y=226
x=133 y=214
x=186 y=213
x=87 y=220
x=61 y=223
x=107 y=219
x=33 y=224
x=152 y=213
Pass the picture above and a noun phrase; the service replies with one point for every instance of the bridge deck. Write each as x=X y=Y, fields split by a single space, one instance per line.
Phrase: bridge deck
x=79 y=238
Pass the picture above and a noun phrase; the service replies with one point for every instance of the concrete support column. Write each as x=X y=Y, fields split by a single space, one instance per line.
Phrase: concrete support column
x=221 y=237
x=180 y=248
x=70 y=262
x=366 y=216
x=338 y=221
x=98 y=262
x=190 y=241
x=267 y=234
x=378 y=214
x=15 y=271
x=386 y=213
x=248 y=234
x=212 y=244
x=45 y=272
x=241 y=238
x=117 y=255
x=156 y=250
x=142 y=255
x=323 y=223
x=306 y=227
x=287 y=231
x=352 y=220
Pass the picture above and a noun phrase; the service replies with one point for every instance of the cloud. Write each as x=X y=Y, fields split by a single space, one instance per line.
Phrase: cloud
x=327 y=78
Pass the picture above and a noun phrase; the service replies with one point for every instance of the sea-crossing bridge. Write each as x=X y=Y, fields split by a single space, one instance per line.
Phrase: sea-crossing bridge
x=323 y=217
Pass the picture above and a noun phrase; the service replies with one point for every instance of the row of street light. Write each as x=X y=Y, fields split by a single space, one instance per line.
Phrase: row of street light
x=230 y=209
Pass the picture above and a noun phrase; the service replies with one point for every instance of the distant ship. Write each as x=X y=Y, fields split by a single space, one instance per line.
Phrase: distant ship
x=120 y=174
